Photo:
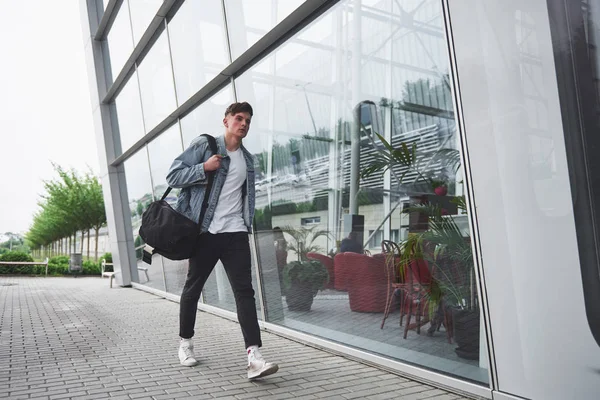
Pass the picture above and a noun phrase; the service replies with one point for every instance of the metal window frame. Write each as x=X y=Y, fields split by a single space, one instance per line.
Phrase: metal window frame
x=469 y=197
x=301 y=17
x=293 y=23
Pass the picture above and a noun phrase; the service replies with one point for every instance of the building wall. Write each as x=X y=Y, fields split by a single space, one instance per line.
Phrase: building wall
x=332 y=84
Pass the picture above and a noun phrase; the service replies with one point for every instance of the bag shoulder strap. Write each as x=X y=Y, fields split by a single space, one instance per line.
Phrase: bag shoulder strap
x=212 y=144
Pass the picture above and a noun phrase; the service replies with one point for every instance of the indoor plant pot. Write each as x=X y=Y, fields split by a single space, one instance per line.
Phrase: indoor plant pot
x=302 y=280
x=299 y=297
x=466 y=332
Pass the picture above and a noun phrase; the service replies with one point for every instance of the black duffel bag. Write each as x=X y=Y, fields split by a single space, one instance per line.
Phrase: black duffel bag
x=168 y=232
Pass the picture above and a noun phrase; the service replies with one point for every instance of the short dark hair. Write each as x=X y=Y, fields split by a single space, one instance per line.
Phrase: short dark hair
x=238 y=108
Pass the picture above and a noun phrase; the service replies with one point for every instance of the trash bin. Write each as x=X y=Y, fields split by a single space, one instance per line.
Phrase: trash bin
x=75 y=263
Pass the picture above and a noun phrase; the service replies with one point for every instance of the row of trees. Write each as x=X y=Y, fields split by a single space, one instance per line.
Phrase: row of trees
x=72 y=204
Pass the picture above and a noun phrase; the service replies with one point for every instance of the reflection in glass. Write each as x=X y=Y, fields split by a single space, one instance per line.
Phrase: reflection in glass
x=198 y=46
x=120 y=40
x=248 y=21
x=156 y=83
x=139 y=193
x=161 y=152
x=217 y=290
x=325 y=103
x=142 y=13
x=129 y=113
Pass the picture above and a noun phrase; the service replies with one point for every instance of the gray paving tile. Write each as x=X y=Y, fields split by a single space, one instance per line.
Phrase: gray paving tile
x=63 y=338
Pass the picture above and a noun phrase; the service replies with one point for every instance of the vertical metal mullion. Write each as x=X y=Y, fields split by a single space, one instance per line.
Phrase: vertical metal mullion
x=388 y=130
x=469 y=196
x=228 y=44
x=226 y=27
x=171 y=61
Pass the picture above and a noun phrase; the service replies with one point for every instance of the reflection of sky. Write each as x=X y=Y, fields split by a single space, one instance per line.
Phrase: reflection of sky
x=208 y=117
x=137 y=175
x=254 y=19
x=321 y=69
x=142 y=13
x=120 y=42
x=156 y=83
x=198 y=45
x=161 y=152
x=306 y=82
x=129 y=113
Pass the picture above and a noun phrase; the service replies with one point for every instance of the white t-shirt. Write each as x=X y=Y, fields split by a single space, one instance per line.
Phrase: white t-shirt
x=228 y=213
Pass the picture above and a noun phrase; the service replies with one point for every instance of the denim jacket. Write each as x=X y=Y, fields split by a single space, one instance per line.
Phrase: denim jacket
x=187 y=173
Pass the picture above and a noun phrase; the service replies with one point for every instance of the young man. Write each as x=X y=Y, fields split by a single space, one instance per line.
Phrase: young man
x=224 y=229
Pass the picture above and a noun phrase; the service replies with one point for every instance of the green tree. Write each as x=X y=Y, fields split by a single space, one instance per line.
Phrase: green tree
x=71 y=204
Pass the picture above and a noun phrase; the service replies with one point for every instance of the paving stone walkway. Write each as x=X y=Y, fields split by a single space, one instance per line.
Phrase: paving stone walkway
x=74 y=338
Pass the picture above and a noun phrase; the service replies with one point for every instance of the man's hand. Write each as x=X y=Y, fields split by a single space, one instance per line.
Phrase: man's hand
x=213 y=163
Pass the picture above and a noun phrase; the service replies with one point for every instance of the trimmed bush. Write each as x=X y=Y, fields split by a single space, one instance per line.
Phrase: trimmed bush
x=108 y=258
x=90 y=268
x=18 y=269
x=58 y=265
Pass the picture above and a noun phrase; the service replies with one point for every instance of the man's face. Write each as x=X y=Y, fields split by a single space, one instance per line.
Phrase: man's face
x=237 y=124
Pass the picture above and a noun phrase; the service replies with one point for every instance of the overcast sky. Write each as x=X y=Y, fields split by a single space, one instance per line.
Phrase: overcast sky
x=45 y=112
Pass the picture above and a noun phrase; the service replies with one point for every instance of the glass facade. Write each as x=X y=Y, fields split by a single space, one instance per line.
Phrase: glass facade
x=198 y=45
x=361 y=233
x=129 y=115
x=120 y=40
x=156 y=83
x=139 y=193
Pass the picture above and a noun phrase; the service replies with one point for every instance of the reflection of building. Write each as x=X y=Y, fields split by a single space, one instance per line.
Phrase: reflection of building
x=483 y=115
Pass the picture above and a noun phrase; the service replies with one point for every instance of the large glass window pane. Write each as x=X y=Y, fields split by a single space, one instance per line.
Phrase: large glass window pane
x=156 y=83
x=120 y=40
x=320 y=102
x=208 y=117
x=248 y=21
x=162 y=151
x=139 y=193
x=142 y=13
x=198 y=45
x=129 y=113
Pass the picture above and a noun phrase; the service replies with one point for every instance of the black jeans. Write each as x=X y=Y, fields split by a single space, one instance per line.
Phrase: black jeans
x=233 y=249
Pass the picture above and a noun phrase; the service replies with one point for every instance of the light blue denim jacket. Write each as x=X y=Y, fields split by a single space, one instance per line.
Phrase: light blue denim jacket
x=187 y=173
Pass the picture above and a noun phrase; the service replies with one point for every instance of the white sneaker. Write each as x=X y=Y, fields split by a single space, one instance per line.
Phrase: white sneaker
x=258 y=368
x=186 y=353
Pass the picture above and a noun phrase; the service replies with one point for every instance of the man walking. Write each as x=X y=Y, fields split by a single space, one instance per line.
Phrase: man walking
x=225 y=227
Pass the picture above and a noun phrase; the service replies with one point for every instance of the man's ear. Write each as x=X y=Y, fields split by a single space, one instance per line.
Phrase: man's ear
x=225 y=121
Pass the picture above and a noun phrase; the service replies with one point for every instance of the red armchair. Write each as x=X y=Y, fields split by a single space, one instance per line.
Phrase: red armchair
x=340 y=271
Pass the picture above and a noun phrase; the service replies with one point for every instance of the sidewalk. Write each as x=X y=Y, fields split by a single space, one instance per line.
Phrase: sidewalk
x=74 y=338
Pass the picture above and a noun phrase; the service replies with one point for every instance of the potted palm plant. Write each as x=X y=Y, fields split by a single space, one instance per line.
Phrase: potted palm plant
x=442 y=243
x=447 y=249
x=303 y=279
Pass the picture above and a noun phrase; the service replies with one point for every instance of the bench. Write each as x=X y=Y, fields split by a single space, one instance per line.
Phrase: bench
x=111 y=275
x=45 y=262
